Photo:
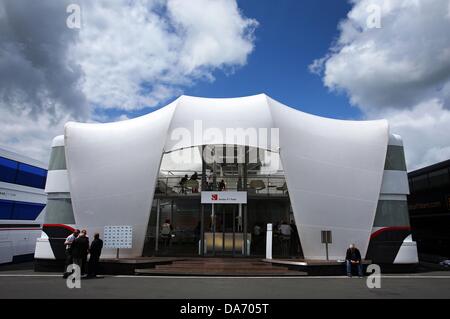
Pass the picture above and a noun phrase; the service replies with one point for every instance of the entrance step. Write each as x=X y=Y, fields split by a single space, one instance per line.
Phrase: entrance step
x=219 y=267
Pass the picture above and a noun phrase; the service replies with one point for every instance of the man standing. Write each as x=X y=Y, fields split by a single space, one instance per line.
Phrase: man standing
x=95 y=252
x=68 y=244
x=80 y=249
x=294 y=248
x=182 y=184
x=353 y=257
x=285 y=234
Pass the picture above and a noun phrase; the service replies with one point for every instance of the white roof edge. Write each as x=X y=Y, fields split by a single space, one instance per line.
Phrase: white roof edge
x=22 y=158
x=222 y=98
x=230 y=99
x=269 y=99
x=395 y=139
x=58 y=141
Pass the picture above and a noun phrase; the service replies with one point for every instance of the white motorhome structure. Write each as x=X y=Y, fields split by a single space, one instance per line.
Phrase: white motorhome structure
x=263 y=162
x=22 y=205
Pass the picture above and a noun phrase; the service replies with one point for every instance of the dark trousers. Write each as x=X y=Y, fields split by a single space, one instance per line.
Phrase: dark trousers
x=349 y=268
x=293 y=248
x=93 y=265
x=285 y=245
x=69 y=260
x=81 y=262
x=84 y=265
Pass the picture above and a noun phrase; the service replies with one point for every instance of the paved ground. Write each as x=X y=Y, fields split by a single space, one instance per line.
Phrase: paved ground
x=22 y=282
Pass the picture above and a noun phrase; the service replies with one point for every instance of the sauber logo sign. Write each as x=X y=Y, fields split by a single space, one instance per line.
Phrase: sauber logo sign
x=224 y=197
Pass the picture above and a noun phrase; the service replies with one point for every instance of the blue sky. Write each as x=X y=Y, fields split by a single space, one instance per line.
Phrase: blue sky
x=131 y=57
x=290 y=35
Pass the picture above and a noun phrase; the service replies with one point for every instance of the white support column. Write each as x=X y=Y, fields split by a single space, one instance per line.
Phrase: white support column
x=158 y=211
x=269 y=242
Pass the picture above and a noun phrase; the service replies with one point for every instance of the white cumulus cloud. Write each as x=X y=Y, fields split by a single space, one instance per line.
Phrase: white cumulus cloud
x=137 y=55
x=400 y=71
x=127 y=55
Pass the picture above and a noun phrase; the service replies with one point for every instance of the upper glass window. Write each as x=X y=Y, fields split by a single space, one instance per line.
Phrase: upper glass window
x=395 y=158
x=57 y=159
x=22 y=174
x=31 y=176
x=8 y=170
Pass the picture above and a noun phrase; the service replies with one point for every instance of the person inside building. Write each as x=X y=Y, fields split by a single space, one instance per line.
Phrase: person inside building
x=295 y=240
x=222 y=186
x=209 y=182
x=285 y=237
x=197 y=232
x=182 y=184
x=194 y=177
x=95 y=251
x=239 y=184
x=80 y=250
x=68 y=245
x=353 y=258
x=257 y=237
x=166 y=232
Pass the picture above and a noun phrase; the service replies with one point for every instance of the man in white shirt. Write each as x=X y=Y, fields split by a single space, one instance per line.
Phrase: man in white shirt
x=68 y=244
x=285 y=232
x=285 y=229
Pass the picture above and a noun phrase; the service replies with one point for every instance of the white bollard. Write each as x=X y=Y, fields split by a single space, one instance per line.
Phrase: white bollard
x=269 y=242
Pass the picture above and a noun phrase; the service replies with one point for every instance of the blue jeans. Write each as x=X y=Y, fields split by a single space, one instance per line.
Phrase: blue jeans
x=349 y=268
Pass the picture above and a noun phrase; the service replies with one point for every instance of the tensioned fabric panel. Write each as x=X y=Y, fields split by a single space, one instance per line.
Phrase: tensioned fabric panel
x=333 y=168
x=211 y=118
x=113 y=169
x=333 y=171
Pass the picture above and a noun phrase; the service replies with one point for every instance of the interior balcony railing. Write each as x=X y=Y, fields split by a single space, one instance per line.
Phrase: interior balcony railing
x=171 y=183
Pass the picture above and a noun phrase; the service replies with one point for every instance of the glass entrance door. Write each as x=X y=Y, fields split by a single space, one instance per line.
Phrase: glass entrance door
x=223 y=231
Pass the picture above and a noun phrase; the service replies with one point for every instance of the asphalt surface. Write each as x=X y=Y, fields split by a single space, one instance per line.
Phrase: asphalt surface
x=22 y=282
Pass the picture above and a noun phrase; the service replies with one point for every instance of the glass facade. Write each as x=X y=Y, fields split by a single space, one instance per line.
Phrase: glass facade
x=435 y=179
x=57 y=159
x=14 y=210
x=429 y=208
x=392 y=213
x=59 y=210
x=232 y=230
x=439 y=178
x=23 y=174
x=419 y=183
x=395 y=158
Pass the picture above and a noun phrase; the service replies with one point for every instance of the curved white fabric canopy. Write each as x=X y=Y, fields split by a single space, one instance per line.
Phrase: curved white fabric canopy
x=333 y=168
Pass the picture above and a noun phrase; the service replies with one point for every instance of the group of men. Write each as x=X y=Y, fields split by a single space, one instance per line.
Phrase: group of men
x=78 y=249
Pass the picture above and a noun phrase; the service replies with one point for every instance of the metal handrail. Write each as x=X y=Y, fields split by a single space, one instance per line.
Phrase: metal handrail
x=258 y=184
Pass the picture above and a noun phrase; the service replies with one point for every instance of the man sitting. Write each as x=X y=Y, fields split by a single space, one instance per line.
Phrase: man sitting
x=353 y=257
